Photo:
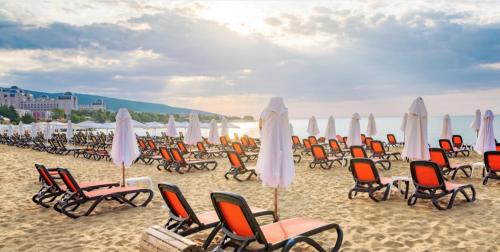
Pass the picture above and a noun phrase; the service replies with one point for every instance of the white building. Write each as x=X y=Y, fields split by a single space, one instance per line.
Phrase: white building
x=97 y=105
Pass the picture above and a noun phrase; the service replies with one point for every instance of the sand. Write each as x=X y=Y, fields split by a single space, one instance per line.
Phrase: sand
x=368 y=226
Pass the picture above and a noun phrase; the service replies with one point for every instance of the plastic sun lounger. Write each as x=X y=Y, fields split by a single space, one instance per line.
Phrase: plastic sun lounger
x=190 y=164
x=368 y=180
x=430 y=184
x=204 y=153
x=492 y=164
x=184 y=221
x=51 y=190
x=246 y=156
x=238 y=167
x=458 y=142
x=321 y=158
x=335 y=148
x=446 y=145
x=359 y=152
x=76 y=196
x=439 y=157
x=378 y=150
x=241 y=229
x=391 y=139
x=165 y=160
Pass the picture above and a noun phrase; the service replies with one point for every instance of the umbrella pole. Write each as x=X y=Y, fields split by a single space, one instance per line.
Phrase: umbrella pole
x=123 y=174
x=276 y=216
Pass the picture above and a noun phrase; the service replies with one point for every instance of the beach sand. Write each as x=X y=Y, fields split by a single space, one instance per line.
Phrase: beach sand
x=368 y=226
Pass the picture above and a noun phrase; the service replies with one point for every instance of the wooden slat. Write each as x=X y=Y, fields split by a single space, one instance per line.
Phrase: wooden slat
x=158 y=239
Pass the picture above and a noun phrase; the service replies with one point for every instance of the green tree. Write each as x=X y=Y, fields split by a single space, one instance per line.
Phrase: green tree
x=58 y=114
x=27 y=118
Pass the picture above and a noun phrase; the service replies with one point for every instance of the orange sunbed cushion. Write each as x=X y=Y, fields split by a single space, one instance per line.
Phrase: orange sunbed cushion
x=364 y=172
x=437 y=157
x=283 y=230
x=102 y=192
x=426 y=176
x=494 y=161
x=173 y=199
x=235 y=219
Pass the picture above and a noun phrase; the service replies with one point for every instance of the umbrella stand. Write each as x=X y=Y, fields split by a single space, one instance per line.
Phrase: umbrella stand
x=276 y=216
x=123 y=174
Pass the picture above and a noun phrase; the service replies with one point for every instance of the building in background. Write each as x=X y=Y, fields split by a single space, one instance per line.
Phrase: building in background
x=96 y=105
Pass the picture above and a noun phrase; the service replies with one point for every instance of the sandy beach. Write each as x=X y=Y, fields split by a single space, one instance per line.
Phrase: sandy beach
x=368 y=226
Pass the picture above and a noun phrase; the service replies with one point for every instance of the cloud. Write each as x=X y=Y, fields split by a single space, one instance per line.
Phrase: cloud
x=327 y=55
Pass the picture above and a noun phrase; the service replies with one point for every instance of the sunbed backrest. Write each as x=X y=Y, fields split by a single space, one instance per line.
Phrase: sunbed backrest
x=427 y=174
x=307 y=144
x=363 y=138
x=318 y=152
x=252 y=142
x=223 y=140
x=237 y=147
x=44 y=173
x=358 y=152
x=141 y=143
x=492 y=160
x=363 y=170
x=182 y=147
x=236 y=216
x=151 y=144
x=201 y=147
x=339 y=138
x=165 y=154
x=177 y=155
x=457 y=140
x=296 y=140
x=244 y=141
x=312 y=140
x=391 y=139
x=445 y=144
x=322 y=139
x=234 y=159
x=439 y=157
x=377 y=147
x=176 y=202
x=69 y=181
x=368 y=141
x=334 y=145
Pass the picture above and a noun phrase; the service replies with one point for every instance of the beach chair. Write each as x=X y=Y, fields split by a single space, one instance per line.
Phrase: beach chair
x=368 y=143
x=439 y=157
x=363 y=139
x=224 y=143
x=335 y=149
x=76 y=196
x=204 y=153
x=189 y=164
x=492 y=165
x=430 y=184
x=245 y=156
x=321 y=158
x=51 y=190
x=391 y=141
x=238 y=167
x=322 y=140
x=241 y=229
x=359 y=152
x=312 y=140
x=459 y=143
x=450 y=150
x=367 y=179
x=183 y=148
x=184 y=221
x=166 y=161
x=379 y=151
x=296 y=143
x=307 y=147
x=253 y=144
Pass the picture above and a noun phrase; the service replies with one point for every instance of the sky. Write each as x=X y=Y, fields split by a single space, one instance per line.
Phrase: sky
x=323 y=57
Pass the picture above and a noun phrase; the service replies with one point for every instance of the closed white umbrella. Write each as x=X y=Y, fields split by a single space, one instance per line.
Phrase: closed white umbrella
x=224 y=129
x=33 y=129
x=275 y=162
x=213 y=134
x=330 y=131
x=48 y=132
x=21 y=128
x=447 y=130
x=416 y=141
x=486 y=138
x=312 y=127
x=476 y=123
x=124 y=150
x=69 y=130
x=171 y=130
x=193 y=132
x=371 y=129
x=354 y=133
x=10 y=130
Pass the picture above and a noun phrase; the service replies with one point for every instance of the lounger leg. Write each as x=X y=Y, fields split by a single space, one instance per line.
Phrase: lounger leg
x=211 y=236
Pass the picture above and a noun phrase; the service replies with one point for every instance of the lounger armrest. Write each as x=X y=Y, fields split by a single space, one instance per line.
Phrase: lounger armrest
x=298 y=239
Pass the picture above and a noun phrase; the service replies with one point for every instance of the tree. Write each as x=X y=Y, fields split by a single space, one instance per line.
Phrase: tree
x=9 y=112
x=58 y=114
x=27 y=119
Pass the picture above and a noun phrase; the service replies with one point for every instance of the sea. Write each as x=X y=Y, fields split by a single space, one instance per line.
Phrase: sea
x=385 y=125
